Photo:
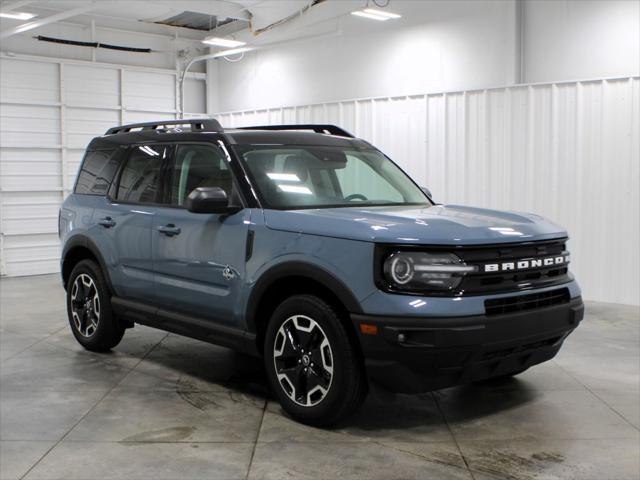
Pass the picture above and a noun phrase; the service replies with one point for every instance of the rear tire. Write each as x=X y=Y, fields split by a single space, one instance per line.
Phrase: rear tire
x=89 y=309
x=313 y=366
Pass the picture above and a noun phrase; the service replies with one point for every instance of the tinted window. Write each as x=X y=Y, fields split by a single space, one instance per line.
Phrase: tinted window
x=197 y=166
x=97 y=172
x=140 y=178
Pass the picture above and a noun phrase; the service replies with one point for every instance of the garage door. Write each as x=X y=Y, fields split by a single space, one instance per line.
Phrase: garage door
x=49 y=111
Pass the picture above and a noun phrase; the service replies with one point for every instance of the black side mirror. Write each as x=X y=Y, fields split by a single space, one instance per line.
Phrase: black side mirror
x=427 y=192
x=209 y=200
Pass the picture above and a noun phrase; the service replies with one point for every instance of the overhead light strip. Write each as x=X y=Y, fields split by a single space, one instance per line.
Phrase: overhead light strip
x=370 y=16
x=374 y=14
x=382 y=13
x=18 y=15
x=223 y=42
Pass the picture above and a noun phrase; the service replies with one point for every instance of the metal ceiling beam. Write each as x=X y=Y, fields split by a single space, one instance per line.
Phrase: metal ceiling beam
x=48 y=20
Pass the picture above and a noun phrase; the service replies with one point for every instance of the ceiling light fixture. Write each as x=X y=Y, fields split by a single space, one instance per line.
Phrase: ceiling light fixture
x=223 y=42
x=233 y=51
x=18 y=15
x=375 y=14
x=382 y=13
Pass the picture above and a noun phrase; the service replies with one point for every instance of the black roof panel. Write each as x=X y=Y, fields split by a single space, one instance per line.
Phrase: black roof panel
x=291 y=137
x=237 y=137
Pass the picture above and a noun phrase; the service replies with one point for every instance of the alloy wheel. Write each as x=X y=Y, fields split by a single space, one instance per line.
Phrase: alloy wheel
x=303 y=360
x=85 y=305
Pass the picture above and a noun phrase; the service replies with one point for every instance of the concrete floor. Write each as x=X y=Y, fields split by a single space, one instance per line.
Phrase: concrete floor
x=165 y=407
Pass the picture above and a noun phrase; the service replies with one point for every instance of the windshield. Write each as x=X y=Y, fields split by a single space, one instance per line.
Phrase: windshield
x=289 y=177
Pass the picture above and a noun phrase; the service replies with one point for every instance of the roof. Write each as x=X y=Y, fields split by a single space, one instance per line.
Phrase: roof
x=291 y=137
x=199 y=130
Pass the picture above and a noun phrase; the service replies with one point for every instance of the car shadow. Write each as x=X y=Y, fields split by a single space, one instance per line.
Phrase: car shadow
x=209 y=367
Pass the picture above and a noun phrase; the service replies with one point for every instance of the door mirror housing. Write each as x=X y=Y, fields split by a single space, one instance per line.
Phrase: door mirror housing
x=427 y=192
x=209 y=200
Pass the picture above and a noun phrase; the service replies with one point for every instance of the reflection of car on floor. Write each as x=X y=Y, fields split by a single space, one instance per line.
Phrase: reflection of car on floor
x=312 y=249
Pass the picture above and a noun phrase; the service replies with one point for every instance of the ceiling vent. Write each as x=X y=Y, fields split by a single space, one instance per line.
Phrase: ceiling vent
x=198 y=21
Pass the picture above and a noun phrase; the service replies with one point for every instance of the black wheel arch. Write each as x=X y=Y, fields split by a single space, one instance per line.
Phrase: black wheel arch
x=77 y=248
x=291 y=278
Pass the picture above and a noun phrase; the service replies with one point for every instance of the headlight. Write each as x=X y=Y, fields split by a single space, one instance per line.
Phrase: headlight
x=417 y=271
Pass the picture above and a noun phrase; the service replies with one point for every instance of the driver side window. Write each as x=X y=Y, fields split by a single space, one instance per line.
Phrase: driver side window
x=359 y=179
x=196 y=166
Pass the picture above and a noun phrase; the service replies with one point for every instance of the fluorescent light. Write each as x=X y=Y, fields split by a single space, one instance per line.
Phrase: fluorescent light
x=360 y=13
x=295 y=189
x=233 y=51
x=18 y=15
x=382 y=13
x=284 y=177
x=223 y=42
x=149 y=151
x=375 y=14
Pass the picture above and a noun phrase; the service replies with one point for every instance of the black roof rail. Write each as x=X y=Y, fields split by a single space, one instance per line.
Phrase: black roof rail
x=196 y=124
x=319 y=128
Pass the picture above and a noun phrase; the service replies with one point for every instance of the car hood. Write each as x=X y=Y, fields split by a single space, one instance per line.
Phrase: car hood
x=436 y=225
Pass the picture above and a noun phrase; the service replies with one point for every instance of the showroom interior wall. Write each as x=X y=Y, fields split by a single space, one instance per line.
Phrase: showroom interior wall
x=54 y=99
x=565 y=149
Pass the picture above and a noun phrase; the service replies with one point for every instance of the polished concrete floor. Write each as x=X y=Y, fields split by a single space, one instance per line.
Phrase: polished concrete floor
x=165 y=407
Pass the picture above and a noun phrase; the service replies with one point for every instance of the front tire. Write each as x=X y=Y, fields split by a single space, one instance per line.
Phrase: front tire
x=312 y=364
x=89 y=309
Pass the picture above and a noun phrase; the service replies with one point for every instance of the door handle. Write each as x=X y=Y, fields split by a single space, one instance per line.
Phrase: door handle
x=107 y=222
x=169 y=230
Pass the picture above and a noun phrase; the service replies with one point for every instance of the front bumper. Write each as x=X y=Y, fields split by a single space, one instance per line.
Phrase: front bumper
x=418 y=354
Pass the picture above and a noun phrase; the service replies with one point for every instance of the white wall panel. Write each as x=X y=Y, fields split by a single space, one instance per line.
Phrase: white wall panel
x=149 y=91
x=135 y=117
x=49 y=111
x=19 y=122
x=24 y=169
x=25 y=81
x=568 y=151
x=88 y=85
x=84 y=123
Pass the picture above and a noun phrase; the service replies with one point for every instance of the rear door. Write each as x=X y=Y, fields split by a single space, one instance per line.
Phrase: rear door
x=199 y=259
x=126 y=219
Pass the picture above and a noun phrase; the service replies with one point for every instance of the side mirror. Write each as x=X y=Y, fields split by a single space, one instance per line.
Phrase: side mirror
x=209 y=200
x=427 y=192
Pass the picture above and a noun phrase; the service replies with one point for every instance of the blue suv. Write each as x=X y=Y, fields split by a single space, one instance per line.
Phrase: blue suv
x=313 y=250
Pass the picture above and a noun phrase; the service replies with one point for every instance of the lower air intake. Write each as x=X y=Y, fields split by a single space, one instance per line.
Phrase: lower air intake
x=500 y=306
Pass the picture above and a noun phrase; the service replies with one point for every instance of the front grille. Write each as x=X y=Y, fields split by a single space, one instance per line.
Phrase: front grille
x=483 y=282
x=500 y=306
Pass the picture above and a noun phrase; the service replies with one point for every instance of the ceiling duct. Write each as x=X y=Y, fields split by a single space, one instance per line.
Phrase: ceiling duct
x=198 y=21
x=77 y=43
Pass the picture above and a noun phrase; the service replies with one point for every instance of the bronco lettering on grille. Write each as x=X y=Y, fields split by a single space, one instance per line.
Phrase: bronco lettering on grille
x=527 y=264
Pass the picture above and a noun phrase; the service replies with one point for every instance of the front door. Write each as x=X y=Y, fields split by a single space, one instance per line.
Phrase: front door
x=199 y=259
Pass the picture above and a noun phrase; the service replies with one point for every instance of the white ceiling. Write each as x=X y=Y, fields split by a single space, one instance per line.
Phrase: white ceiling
x=141 y=14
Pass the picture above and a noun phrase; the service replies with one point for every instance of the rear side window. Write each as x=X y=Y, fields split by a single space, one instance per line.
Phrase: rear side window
x=97 y=172
x=140 y=177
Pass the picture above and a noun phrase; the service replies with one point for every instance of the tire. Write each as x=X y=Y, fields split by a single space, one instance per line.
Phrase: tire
x=323 y=384
x=89 y=309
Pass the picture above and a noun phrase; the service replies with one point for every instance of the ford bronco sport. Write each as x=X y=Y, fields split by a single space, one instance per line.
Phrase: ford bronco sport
x=310 y=248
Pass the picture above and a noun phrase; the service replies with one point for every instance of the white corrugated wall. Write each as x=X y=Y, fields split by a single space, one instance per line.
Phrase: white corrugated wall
x=49 y=111
x=569 y=151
